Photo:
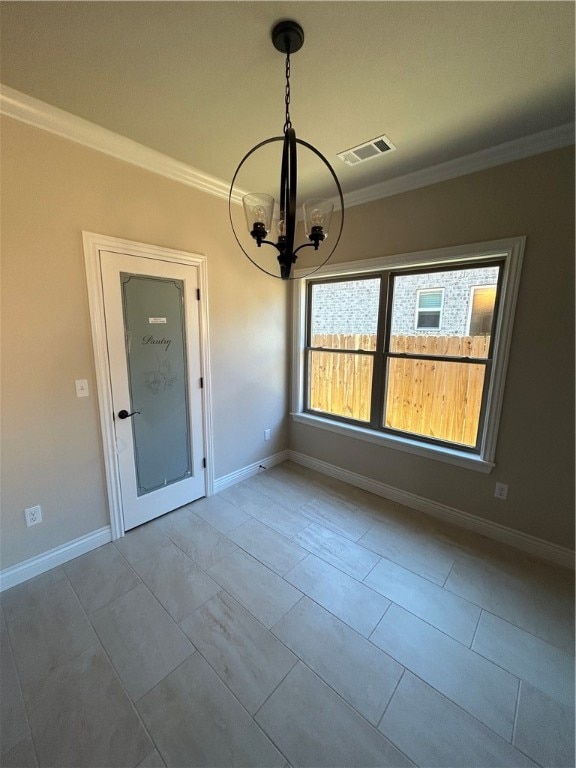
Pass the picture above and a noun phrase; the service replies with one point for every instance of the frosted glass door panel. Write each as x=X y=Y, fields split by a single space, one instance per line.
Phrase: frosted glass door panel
x=157 y=376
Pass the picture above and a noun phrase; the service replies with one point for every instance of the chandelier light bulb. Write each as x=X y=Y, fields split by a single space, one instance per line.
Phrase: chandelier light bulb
x=317 y=217
x=259 y=214
x=258 y=209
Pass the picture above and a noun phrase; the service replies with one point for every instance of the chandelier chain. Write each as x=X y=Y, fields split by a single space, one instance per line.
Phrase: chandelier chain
x=288 y=122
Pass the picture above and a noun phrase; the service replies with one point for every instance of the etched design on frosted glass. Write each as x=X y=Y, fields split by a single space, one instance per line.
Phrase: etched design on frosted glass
x=157 y=376
x=160 y=378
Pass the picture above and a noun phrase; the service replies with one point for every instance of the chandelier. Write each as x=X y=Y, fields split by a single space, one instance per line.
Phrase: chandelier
x=259 y=207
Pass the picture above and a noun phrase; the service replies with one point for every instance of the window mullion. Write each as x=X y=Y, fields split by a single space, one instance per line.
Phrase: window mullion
x=484 y=403
x=379 y=374
x=443 y=358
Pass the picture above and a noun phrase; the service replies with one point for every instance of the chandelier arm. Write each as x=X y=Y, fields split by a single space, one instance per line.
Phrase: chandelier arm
x=305 y=245
x=269 y=242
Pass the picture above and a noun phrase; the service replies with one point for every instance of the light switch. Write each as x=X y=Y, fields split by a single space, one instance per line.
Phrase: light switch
x=82 y=388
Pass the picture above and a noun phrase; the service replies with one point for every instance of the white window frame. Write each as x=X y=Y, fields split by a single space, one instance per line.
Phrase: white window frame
x=440 y=311
x=511 y=250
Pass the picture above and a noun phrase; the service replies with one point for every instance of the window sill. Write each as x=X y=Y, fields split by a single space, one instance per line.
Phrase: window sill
x=434 y=452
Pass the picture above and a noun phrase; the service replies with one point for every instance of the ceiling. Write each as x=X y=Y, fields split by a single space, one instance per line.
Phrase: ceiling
x=202 y=83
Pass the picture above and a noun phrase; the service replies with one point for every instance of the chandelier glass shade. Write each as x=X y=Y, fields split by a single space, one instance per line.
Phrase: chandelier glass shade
x=263 y=213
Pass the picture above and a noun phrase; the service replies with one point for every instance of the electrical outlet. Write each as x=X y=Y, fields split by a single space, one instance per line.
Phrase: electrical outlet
x=266 y=434
x=501 y=491
x=33 y=515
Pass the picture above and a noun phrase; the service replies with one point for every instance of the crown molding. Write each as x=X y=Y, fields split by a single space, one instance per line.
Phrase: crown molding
x=27 y=109
x=39 y=114
x=535 y=144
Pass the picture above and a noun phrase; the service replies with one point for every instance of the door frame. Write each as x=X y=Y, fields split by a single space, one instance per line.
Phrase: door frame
x=93 y=245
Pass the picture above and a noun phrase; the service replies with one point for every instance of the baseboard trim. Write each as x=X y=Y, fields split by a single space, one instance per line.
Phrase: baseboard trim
x=28 y=569
x=16 y=574
x=226 y=481
x=545 y=550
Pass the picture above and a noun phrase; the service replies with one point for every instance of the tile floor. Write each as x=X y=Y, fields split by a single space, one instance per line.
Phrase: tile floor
x=291 y=620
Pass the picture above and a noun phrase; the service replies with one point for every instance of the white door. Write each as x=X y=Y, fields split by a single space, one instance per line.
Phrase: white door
x=151 y=311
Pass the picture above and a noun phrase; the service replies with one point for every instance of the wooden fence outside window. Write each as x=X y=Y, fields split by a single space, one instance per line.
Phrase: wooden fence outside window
x=434 y=398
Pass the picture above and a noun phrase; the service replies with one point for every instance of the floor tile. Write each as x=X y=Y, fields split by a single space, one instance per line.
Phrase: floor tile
x=219 y=513
x=12 y=712
x=429 y=729
x=288 y=494
x=542 y=665
x=337 y=516
x=257 y=588
x=244 y=654
x=321 y=485
x=361 y=673
x=165 y=522
x=21 y=755
x=318 y=681
x=153 y=760
x=544 y=729
x=375 y=507
x=444 y=610
x=533 y=596
x=416 y=553
x=273 y=514
x=346 y=598
x=198 y=540
x=143 y=642
x=299 y=476
x=142 y=542
x=268 y=546
x=100 y=576
x=474 y=683
x=337 y=550
x=241 y=493
x=313 y=726
x=47 y=626
x=196 y=721
x=178 y=583
x=81 y=716
x=31 y=587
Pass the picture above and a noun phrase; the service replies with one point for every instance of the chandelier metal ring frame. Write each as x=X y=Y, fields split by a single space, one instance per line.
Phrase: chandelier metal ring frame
x=291 y=203
x=287 y=37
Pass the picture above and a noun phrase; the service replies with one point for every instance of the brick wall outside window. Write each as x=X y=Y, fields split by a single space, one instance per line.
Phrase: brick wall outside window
x=350 y=307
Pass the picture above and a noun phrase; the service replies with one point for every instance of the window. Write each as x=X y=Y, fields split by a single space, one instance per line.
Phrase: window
x=482 y=303
x=434 y=389
x=343 y=320
x=429 y=308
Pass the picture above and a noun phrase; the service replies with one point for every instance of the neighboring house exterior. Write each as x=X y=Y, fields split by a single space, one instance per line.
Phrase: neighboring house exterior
x=454 y=303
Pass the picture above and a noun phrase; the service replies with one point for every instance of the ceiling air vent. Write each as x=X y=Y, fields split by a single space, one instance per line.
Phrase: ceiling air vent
x=367 y=151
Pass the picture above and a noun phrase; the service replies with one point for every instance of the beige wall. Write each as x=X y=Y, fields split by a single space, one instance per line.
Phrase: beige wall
x=535 y=452
x=53 y=189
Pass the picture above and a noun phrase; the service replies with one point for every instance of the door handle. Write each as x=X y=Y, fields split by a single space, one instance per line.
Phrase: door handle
x=124 y=414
